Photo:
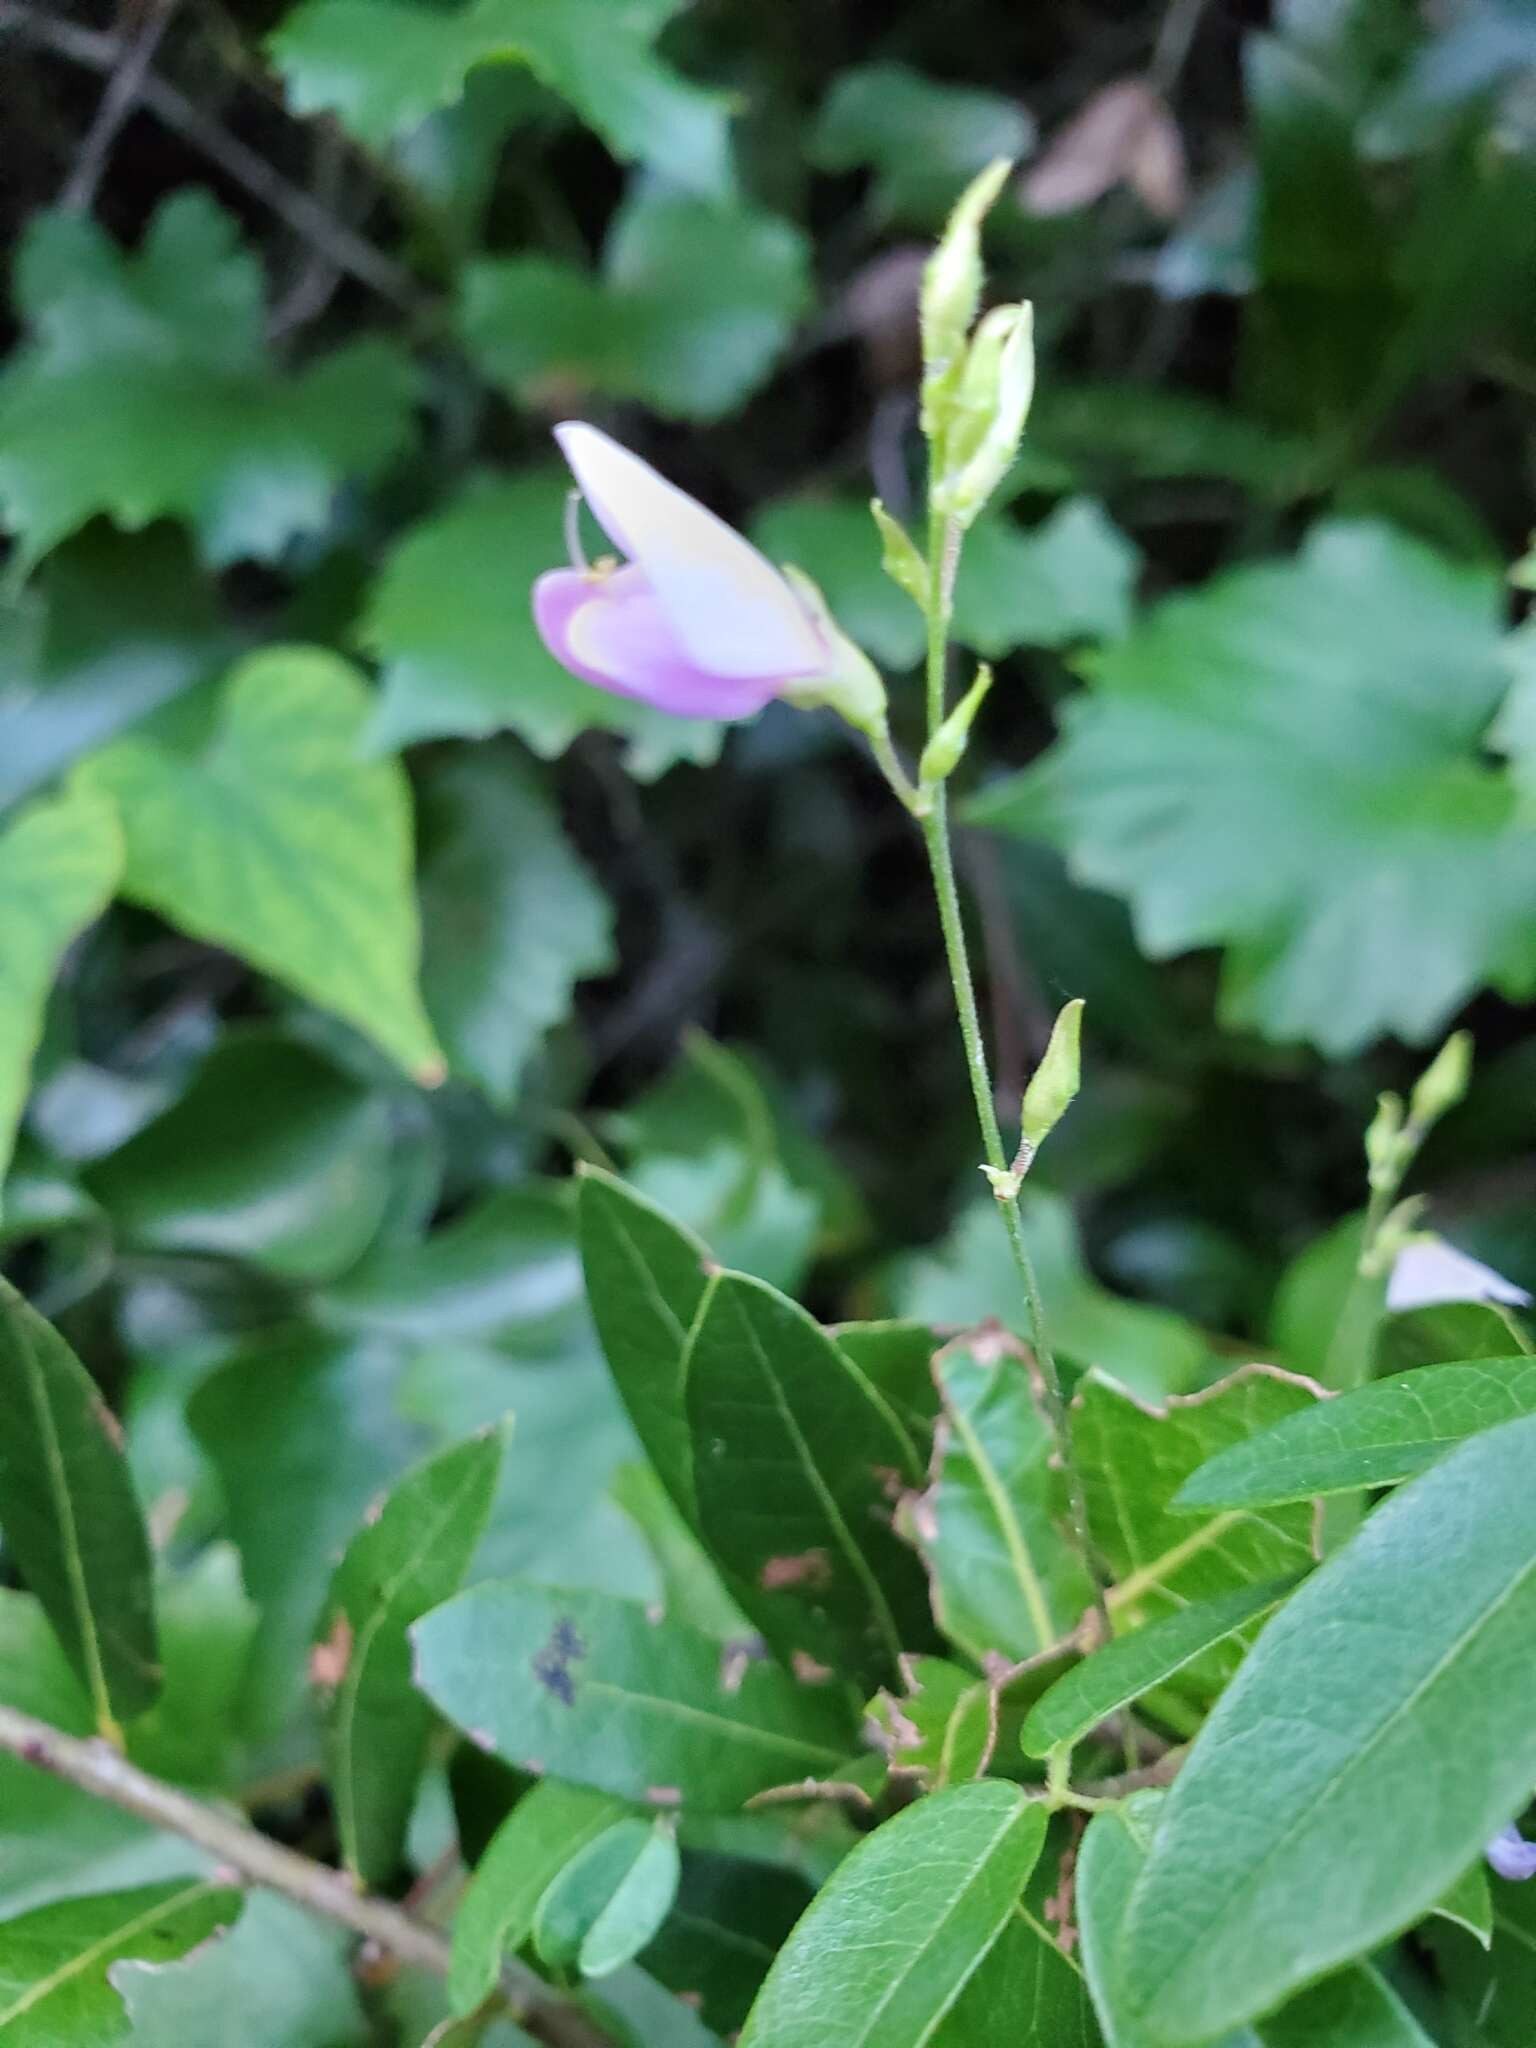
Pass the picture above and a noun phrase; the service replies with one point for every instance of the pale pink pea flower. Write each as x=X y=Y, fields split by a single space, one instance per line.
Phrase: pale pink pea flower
x=695 y=622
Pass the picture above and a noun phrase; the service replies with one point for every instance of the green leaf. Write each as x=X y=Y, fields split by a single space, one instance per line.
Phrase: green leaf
x=1134 y=1460
x=835 y=542
x=146 y=392
x=112 y=627
x=271 y=1155
x=276 y=841
x=71 y=1519
x=55 y=1839
x=692 y=1590
x=1490 y=1997
x=1112 y=1857
x=411 y=1557
x=504 y=1270
x=1288 y=762
x=59 y=864
x=1372 y=1436
x=1030 y=1987
x=1298 y=1834
x=897 y=1360
x=590 y=1688
x=645 y=1280
x=889 y=1944
x=1354 y=2009
x=1069 y=579
x=384 y=65
x=278 y=1979
x=1469 y=1903
x=731 y=1918
x=478 y=665
x=511 y=918
x=1128 y=1667
x=548 y=1826
x=925 y=140
x=943 y=1728
x=970 y=1276
x=795 y=1461
x=991 y=1526
x=302 y=1429
x=54 y=1961
x=610 y=1899
x=694 y=304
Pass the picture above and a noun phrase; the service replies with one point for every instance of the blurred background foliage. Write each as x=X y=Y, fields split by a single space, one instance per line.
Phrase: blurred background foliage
x=335 y=920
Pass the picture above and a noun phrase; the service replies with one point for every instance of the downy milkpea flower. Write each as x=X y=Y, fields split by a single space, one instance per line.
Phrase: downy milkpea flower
x=1511 y=1855
x=1428 y=1271
x=695 y=621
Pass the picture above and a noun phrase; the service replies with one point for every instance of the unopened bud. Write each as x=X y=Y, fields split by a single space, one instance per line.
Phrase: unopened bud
x=952 y=293
x=1384 y=1143
x=1443 y=1082
x=991 y=406
x=1523 y=574
x=944 y=751
x=900 y=558
x=1054 y=1084
x=851 y=684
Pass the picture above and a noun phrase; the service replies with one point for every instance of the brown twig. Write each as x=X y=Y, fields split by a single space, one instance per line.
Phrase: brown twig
x=97 y=1768
x=123 y=88
x=301 y=211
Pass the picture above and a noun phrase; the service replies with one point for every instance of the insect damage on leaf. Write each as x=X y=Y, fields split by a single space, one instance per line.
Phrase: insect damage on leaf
x=554 y=1666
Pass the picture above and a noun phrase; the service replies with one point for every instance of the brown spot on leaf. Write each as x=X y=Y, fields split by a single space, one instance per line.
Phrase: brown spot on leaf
x=328 y=1660
x=808 y=1568
x=807 y=1670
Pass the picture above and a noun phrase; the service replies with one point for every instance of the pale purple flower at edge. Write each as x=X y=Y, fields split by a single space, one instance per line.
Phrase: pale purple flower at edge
x=696 y=623
x=1510 y=1855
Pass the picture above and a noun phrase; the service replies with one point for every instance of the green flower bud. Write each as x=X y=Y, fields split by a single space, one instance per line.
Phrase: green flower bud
x=952 y=293
x=1054 y=1084
x=1384 y=1156
x=851 y=685
x=945 y=749
x=991 y=407
x=900 y=558
x=1523 y=574
x=1443 y=1082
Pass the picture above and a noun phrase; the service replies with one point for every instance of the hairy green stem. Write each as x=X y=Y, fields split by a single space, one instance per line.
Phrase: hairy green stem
x=944 y=560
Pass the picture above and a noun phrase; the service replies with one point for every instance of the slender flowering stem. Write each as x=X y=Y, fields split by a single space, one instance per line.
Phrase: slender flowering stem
x=917 y=801
x=944 y=552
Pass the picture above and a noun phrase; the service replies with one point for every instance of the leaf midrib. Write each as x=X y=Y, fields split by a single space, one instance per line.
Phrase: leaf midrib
x=83 y=1958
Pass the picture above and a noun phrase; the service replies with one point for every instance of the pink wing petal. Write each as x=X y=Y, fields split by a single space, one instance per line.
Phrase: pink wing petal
x=611 y=631
x=732 y=611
